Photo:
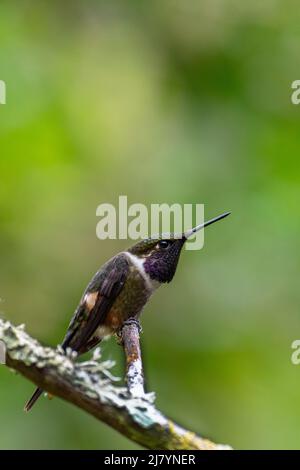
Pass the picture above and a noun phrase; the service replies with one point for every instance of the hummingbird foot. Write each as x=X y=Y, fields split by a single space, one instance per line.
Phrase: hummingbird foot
x=130 y=321
x=133 y=321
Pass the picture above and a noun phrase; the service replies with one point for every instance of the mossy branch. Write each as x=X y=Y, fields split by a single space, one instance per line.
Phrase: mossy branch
x=91 y=387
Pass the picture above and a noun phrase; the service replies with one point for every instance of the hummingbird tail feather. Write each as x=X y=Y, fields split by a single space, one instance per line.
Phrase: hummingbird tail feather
x=38 y=392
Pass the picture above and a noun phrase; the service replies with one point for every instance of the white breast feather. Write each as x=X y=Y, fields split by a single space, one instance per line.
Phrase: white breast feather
x=152 y=284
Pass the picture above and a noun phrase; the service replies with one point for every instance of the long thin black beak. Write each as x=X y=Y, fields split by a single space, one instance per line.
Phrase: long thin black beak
x=190 y=232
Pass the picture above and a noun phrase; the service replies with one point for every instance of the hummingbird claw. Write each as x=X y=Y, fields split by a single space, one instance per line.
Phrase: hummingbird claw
x=133 y=321
x=130 y=321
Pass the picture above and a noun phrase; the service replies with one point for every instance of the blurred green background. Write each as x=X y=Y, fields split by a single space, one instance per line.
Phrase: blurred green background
x=163 y=101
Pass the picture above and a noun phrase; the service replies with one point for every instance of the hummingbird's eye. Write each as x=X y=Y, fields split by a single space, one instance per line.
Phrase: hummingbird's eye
x=163 y=244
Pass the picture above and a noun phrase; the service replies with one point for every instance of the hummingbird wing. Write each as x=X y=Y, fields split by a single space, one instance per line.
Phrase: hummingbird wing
x=97 y=301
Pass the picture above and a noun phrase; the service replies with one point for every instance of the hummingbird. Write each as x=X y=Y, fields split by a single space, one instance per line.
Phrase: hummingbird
x=121 y=288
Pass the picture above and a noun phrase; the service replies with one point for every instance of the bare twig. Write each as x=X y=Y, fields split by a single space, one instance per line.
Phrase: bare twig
x=90 y=386
x=134 y=366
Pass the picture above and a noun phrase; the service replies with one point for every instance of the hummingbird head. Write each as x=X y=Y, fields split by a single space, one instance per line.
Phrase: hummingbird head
x=160 y=254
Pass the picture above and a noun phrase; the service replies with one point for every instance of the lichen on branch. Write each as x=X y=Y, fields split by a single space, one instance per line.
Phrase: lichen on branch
x=92 y=387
